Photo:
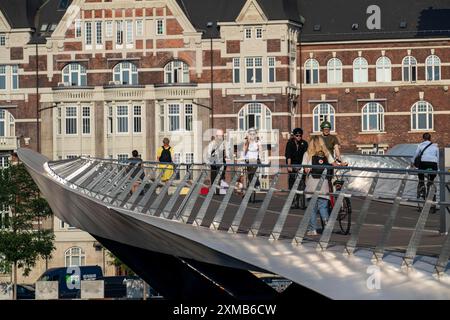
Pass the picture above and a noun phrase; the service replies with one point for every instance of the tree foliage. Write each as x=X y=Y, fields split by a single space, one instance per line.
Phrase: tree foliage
x=22 y=240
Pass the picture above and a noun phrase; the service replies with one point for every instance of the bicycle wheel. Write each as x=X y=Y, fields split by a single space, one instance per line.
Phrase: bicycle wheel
x=421 y=197
x=345 y=216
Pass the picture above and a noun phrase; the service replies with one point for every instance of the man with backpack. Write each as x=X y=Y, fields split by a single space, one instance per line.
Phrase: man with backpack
x=165 y=155
x=426 y=157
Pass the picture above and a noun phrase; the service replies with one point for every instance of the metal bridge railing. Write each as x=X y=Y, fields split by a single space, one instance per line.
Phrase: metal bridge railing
x=371 y=209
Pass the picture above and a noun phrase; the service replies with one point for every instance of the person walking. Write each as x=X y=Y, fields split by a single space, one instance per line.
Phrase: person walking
x=318 y=156
x=165 y=156
x=295 y=150
x=135 y=165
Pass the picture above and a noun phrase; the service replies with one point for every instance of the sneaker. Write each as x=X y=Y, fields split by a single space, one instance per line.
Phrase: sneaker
x=311 y=233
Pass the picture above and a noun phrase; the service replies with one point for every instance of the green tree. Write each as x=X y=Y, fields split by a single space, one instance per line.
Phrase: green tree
x=122 y=267
x=22 y=239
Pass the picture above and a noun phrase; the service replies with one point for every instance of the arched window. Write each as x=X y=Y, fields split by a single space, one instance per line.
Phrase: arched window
x=360 y=70
x=323 y=112
x=384 y=66
x=74 y=257
x=311 y=71
x=409 y=66
x=74 y=74
x=126 y=73
x=373 y=117
x=433 y=64
x=422 y=116
x=255 y=115
x=334 y=71
x=7 y=124
x=176 y=72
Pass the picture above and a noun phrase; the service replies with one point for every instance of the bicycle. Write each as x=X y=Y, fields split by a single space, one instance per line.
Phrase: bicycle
x=422 y=194
x=344 y=216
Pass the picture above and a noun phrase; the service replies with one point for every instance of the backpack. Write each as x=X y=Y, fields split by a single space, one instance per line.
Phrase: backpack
x=318 y=161
x=165 y=155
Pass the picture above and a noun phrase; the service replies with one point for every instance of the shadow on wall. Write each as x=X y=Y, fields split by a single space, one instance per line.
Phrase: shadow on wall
x=434 y=22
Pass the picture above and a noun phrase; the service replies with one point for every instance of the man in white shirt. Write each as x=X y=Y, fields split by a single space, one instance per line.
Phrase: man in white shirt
x=217 y=155
x=429 y=158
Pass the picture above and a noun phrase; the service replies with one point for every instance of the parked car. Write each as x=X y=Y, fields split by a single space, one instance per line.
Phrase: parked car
x=25 y=292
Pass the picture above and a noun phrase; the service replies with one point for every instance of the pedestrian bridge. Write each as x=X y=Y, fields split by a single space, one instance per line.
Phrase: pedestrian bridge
x=186 y=243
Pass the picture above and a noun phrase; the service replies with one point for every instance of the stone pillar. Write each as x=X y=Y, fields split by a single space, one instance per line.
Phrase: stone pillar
x=47 y=133
x=150 y=131
x=100 y=130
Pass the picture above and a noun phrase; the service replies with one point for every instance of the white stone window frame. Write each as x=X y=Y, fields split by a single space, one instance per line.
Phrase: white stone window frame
x=435 y=63
x=323 y=112
x=119 y=34
x=109 y=29
x=189 y=157
x=409 y=69
x=137 y=119
x=129 y=32
x=99 y=34
x=271 y=69
x=8 y=127
x=126 y=66
x=313 y=67
x=72 y=253
x=2 y=40
x=334 y=71
x=122 y=119
x=422 y=108
x=10 y=76
x=78 y=29
x=262 y=117
x=176 y=71
x=88 y=36
x=248 y=33
x=74 y=68
x=383 y=69
x=71 y=120
x=253 y=64
x=368 y=112
x=160 y=27
x=258 y=32
x=139 y=28
x=236 y=70
x=174 y=117
x=360 y=70
x=86 y=120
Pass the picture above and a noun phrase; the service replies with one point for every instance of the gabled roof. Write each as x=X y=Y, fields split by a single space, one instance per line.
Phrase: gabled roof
x=200 y=12
x=419 y=19
x=20 y=13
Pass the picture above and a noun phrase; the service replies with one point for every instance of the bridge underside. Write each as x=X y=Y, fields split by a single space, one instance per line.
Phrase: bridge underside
x=181 y=260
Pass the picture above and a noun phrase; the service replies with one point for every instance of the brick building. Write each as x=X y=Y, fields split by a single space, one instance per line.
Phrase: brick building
x=110 y=76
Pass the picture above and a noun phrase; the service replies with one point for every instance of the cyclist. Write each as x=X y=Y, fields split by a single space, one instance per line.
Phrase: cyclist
x=295 y=149
x=429 y=159
x=331 y=141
